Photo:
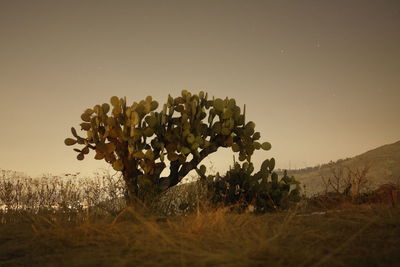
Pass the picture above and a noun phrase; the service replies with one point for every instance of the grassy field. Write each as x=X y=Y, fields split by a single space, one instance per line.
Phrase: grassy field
x=64 y=221
x=349 y=235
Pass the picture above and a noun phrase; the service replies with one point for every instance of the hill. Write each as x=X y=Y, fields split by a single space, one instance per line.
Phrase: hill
x=383 y=164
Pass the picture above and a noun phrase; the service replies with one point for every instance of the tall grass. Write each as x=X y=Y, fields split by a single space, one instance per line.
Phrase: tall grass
x=366 y=236
x=69 y=194
x=79 y=222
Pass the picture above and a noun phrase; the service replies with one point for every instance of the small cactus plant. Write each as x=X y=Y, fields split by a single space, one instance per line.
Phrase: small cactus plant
x=137 y=140
x=262 y=191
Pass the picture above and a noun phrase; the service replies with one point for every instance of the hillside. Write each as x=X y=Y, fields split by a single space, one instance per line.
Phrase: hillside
x=383 y=163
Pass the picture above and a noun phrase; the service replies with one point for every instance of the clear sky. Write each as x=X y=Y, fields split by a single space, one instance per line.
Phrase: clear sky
x=321 y=79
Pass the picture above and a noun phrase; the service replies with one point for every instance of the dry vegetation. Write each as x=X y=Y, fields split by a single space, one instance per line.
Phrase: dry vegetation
x=90 y=226
x=382 y=164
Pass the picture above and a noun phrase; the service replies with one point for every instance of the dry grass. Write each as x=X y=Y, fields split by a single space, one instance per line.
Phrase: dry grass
x=70 y=195
x=354 y=236
x=319 y=233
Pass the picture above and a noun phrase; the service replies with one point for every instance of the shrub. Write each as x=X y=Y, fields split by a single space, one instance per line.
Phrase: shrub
x=262 y=191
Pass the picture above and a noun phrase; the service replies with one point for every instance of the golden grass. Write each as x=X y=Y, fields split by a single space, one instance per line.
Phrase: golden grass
x=354 y=236
x=324 y=231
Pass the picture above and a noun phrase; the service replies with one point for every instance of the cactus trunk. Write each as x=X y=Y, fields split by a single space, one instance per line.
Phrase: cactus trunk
x=131 y=194
x=130 y=175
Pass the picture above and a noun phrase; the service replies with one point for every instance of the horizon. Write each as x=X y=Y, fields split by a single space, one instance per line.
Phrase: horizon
x=102 y=169
x=320 y=80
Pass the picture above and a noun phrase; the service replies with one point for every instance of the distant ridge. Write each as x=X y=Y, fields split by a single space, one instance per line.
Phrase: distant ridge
x=384 y=163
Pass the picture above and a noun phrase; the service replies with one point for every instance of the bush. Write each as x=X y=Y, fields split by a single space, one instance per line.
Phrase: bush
x=259 y=192
x=70 y=196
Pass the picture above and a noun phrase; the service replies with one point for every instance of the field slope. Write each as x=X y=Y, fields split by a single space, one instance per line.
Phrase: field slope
x=383 y=163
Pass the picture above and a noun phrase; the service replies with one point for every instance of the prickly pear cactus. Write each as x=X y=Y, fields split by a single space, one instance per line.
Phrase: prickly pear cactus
x=262 y=190
x=137 y=139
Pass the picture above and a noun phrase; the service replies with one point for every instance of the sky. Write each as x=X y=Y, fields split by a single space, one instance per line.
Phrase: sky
x=321 y=79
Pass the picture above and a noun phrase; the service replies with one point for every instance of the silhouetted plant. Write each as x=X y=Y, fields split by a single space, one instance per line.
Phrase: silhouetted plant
x=138 y=140
x=347 y=181
x=261 y=191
